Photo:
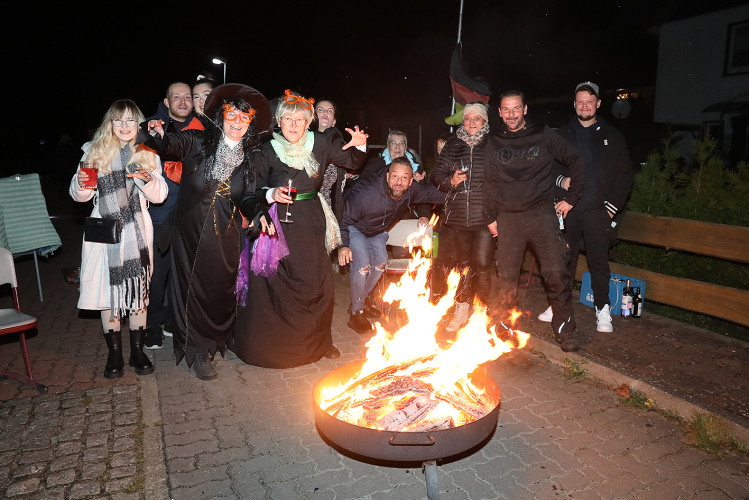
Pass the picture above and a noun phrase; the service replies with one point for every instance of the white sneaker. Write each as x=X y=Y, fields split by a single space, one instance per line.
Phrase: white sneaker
x=603 y=319
x=546 y=315
x=460 y=316
x=166 y=333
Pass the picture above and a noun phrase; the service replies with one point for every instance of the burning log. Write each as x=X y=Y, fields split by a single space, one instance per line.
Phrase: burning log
x=418 y=408
x=475 y=410
x=392 y=399
x=432 y=424
x=371 y=380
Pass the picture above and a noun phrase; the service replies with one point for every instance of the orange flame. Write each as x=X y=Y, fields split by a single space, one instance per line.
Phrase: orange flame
x=450 y=365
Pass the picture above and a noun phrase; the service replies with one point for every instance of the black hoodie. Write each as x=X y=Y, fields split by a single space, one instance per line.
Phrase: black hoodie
x=519 y=170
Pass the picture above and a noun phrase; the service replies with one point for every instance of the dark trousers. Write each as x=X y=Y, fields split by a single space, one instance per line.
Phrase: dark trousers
x=541 y=230
x=162 y=267
x=594 y=226
x=465 y=247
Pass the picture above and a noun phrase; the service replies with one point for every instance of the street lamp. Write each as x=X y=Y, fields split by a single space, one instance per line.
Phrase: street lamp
x=216 y=60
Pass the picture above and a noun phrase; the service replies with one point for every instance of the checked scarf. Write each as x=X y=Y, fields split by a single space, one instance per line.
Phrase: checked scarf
x=129 y=261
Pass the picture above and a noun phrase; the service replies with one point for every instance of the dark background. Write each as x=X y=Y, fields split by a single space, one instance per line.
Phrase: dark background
x=384 y=63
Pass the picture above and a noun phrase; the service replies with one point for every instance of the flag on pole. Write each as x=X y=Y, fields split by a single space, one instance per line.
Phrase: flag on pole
x=466 y=87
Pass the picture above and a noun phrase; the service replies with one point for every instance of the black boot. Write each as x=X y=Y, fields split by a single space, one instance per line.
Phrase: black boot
x=203 y=368
x=115 y=363
x=138 y=359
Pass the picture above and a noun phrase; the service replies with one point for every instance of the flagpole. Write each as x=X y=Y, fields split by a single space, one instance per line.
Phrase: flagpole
x=460 y=21
x=460 y=33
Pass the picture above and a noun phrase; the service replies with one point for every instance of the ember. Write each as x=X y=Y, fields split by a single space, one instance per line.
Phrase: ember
x=409 y=382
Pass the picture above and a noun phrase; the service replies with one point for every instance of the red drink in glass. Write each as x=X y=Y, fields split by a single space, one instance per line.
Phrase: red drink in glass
x=92 y=172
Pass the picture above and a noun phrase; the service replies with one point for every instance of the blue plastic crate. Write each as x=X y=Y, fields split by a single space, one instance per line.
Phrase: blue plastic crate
x=617 y=282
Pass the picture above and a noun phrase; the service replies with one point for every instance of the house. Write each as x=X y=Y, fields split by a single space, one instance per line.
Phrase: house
x=702 y=85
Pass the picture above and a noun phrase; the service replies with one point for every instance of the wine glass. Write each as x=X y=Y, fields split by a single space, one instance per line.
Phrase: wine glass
x=291 y=191
x=464 y=168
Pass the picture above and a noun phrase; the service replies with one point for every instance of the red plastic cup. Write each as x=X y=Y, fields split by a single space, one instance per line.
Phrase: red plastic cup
x=92 y=172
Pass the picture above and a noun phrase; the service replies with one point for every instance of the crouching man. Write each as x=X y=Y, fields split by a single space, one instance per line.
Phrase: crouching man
x=372 y=207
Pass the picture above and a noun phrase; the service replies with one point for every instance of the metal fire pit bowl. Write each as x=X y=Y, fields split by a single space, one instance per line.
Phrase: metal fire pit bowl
x=403 y=446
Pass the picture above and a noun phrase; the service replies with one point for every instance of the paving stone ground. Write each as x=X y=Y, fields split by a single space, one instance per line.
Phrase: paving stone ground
x=252 y=433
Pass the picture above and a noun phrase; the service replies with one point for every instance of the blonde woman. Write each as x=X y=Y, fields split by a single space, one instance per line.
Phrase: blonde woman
x=287 y=319
x=115 y=277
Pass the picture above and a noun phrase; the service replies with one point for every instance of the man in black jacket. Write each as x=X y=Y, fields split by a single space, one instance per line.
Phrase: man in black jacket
x=608 y=182
x=372 y=208
x=176 y=111
x=519 y=208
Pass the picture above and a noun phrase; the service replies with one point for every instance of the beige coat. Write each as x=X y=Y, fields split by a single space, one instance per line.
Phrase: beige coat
x=94 y=288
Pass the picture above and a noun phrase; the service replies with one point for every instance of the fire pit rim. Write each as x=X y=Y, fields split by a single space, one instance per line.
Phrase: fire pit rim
x=377 y=443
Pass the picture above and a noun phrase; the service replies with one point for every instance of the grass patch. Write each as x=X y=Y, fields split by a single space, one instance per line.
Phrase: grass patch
x=710 y=434
x=138 y=485
x=706 y=432
x=139 y=482
x=573 y=370
x=672 y=415
x=639 y=400
x=103 y=478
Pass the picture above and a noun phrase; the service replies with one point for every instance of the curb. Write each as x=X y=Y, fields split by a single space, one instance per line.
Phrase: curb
x=613 y=379
x=155 y=473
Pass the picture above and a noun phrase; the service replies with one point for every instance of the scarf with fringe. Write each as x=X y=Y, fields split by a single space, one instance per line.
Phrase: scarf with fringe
x=129 y=260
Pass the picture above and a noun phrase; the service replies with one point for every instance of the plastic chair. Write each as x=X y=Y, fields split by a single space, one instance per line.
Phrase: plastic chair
x=25 y=227
x=398 y=237
x=14 y=321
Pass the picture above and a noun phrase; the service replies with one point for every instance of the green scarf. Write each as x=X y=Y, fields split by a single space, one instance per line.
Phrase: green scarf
x=298 y=155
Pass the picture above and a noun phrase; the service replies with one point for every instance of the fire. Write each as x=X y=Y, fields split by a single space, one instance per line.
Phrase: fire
x=438 y=377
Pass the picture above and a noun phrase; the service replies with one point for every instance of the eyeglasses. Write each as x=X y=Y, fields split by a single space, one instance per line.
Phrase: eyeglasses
x=396 y=144
x=125 y=123
x=233 y=114
x=299 y=122
x=293 y=99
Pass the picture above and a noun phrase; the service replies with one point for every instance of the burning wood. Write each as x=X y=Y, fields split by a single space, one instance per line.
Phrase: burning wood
x=395 y=400
x=409 y=382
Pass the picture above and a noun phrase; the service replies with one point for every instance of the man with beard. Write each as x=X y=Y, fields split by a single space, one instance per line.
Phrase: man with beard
x=372 y=208
x=176 y=113
x=519 y=208
x=608 y=182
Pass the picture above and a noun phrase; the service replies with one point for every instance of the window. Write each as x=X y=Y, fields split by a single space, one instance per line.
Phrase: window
x=737 y=49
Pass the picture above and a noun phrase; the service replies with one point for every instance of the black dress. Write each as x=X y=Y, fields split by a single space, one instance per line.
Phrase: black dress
x=205 y=245
x=287 y=319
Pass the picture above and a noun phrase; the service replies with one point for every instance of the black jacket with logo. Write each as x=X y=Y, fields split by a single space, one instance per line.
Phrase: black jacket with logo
x=520 y=170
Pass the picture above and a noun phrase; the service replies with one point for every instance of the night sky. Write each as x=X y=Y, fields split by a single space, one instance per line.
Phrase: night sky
x=385 y=63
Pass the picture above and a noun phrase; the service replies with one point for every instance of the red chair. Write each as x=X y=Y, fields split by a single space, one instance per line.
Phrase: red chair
x=14 y=321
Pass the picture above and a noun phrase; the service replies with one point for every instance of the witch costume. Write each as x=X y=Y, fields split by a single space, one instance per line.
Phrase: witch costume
x=206 y=230
x=287 y=319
